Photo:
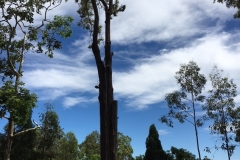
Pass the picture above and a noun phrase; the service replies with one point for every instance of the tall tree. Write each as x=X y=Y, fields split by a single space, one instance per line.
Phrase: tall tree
x=89 y=13
x=220 y=107
x=90 y=147
x=154 y=150
x=48 y=134
x=67 y=147
x=19 y=34
x=182 y=104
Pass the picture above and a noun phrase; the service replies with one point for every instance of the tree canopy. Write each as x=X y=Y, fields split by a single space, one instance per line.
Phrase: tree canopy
x=90 y=147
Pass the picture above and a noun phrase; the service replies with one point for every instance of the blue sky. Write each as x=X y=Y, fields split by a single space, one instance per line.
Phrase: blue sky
x=149 y=40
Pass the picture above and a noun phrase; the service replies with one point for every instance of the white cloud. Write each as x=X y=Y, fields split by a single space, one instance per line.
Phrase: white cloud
x=162 y=132
x=150 y=79
x=73 y=101
x=164 y=20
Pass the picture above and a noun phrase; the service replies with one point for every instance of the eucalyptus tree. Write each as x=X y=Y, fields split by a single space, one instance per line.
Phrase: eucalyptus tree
x=182 y=103
x=89 y=14
x=220 y=107
x=21 y=33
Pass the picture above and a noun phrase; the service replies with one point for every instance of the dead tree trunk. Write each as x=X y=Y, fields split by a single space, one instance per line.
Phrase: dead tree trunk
x=108 y=106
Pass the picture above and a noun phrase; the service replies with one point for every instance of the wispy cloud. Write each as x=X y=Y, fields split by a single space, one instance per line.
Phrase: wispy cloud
x=73 y=101
x=162 y=132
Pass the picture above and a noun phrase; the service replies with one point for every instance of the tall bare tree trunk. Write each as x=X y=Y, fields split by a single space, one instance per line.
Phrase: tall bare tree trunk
x=108 y=106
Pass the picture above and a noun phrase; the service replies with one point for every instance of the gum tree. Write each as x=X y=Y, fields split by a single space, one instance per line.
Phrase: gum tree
x=89 y=14
x=19 y=34
x=182 y=103
x=220 y=107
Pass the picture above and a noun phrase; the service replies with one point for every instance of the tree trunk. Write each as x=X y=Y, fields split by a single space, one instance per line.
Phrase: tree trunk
x=195 y=126
x=9 y=139
x=108 y=107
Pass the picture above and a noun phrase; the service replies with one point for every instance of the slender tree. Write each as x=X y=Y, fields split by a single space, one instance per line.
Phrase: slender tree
x=220 y=107
x=182 y=104
x=154 y=150
x=89 y=13
x=19 y=33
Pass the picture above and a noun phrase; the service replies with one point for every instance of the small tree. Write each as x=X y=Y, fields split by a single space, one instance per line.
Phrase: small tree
x=220 y=107
x=154 y=150
x=182 y=104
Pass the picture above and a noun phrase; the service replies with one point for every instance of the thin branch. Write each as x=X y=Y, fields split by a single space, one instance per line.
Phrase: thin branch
x=104 y=4
x=6 y=117
x=27 y=130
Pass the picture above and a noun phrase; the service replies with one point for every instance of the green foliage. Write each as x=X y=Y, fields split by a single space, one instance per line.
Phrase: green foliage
x=181 y=153
x=140 y=157
x=58 y=26
x=18 y=103
x=90 y=147
x=124 y=149
x=231 y=4
x=220 y=107
x=154 y=150
x=67 y=147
